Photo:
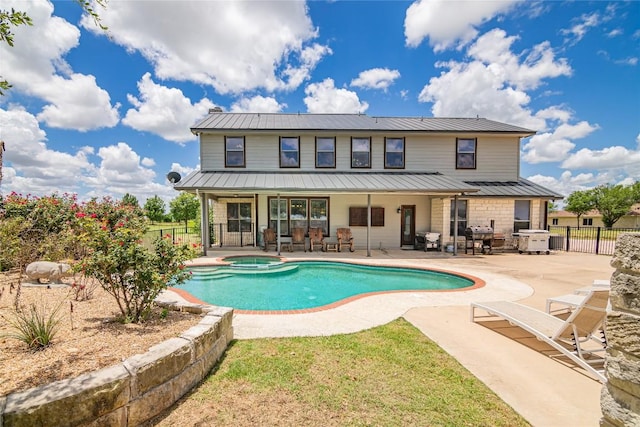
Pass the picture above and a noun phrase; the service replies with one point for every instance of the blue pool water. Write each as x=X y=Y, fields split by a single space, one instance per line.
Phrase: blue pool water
x=307 y=284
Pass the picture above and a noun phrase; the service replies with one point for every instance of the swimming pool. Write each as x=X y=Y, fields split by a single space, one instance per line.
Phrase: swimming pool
x=308 y=284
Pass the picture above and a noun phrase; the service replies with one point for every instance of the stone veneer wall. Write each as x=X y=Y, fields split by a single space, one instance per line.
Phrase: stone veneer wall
x=133 y=391
x=620 y=398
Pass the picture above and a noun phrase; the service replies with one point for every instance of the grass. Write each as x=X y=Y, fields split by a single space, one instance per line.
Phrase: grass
x=387 y=376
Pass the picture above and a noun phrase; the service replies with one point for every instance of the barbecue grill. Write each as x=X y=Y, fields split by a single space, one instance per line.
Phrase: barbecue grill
x=478 y=233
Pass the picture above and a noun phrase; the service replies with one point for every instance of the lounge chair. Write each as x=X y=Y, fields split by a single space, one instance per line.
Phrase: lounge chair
x=297 y=238
x=345 y=238
x=316 y=238
x=566 y=336
x=269 y=237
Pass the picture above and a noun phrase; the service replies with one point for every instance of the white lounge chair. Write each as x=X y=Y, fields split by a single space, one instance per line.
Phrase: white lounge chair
x=566 y=336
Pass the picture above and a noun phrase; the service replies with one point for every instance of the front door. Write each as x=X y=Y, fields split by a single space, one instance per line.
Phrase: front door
x=408 y=225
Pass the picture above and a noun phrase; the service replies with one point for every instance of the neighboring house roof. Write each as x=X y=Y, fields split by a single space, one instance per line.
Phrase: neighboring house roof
x=338 y=182
x=593 y=213
x=351 y=122
x=520 y=188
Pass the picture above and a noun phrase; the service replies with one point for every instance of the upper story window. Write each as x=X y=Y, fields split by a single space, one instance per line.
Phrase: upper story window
x=325 y=152
x=554 y=221
x=234 y=152
x=360 y=152
x=289 y=152
x=394 y=153
x=587 y=221
x=465 y=153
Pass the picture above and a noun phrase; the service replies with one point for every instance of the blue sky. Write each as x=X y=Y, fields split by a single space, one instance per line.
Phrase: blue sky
x=98 y=113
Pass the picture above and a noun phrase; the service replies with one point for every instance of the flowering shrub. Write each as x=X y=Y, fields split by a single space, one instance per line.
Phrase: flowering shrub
x=105 y=235
x=45 y=227
x=131 y=273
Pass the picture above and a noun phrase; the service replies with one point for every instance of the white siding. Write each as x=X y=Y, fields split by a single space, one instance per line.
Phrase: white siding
x=385 y=237
x=497 y=156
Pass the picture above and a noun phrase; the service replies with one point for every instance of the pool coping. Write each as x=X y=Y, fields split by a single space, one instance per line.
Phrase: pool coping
x=220 y=261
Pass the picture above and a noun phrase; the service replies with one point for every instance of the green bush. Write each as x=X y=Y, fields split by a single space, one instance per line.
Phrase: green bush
x=35 y=327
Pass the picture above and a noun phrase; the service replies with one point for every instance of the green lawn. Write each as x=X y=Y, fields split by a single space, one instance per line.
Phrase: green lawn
x=391 y=375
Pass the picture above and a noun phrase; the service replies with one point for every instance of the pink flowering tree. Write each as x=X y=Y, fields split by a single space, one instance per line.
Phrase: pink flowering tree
x=103 y=241
x=133 y=274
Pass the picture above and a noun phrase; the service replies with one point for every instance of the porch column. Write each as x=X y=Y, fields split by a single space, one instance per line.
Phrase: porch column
x=278 y=227
x=455 y=225
x=204 y=222
x=368 y=225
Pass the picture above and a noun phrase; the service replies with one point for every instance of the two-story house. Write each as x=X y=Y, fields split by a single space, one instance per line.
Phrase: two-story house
x=407 y=174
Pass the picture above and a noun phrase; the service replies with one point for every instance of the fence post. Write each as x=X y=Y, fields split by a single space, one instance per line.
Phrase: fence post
x=568 y=234
x=598 y=241
x=220 y=236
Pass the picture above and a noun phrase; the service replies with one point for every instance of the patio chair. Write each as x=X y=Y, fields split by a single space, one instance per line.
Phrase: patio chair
x=571 y=301
x=298 y=238
x=316 y=238
x=567 y=336
x=345 y=238
x=269 y=237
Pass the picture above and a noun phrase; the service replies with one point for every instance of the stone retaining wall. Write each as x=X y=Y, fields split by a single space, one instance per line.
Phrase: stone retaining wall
x=133 y=391
x=620 y=399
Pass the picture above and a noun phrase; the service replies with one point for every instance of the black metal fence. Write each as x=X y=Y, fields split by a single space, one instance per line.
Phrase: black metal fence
x=221 y=235
x=593 y=240
x=177 y=235
x=233 y=235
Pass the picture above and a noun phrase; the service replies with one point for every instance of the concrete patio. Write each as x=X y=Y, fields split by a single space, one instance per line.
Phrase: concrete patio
x=521 y=370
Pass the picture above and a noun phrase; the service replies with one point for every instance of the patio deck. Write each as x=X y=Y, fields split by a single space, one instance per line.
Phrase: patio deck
x=546 y=391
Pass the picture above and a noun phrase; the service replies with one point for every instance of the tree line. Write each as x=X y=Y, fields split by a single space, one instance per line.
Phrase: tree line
x=612 y=201
x=182 y=208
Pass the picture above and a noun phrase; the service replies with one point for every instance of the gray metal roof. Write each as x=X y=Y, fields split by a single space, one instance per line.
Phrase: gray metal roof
x=322 y=182
x=351 y=122
x=520 y=188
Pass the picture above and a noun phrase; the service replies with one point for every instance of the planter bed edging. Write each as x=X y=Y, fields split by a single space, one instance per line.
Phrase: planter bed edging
x=131 y=392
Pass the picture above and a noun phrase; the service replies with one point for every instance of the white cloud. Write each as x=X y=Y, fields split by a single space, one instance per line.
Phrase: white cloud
x=555 y=146
x=449 y=23
x=257 y=104
x=232 y=46
x=523 y=72
x=567 y=183
x=376 y=78
x=164 y=111
x=32 y=167
x=324 y=97
x=120 y=171
x=614 y=157
x=498 y=79
x=581 y=27
x=36 y=66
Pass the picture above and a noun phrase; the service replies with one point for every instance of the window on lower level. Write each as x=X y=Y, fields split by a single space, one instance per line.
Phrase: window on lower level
x=394 y=153
x=522 y=215
x=462 y=217
x=554 y=221
x=234 y=152
x=238 y=217
x=305 y=212
x=465 y=153
x=587 y=221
